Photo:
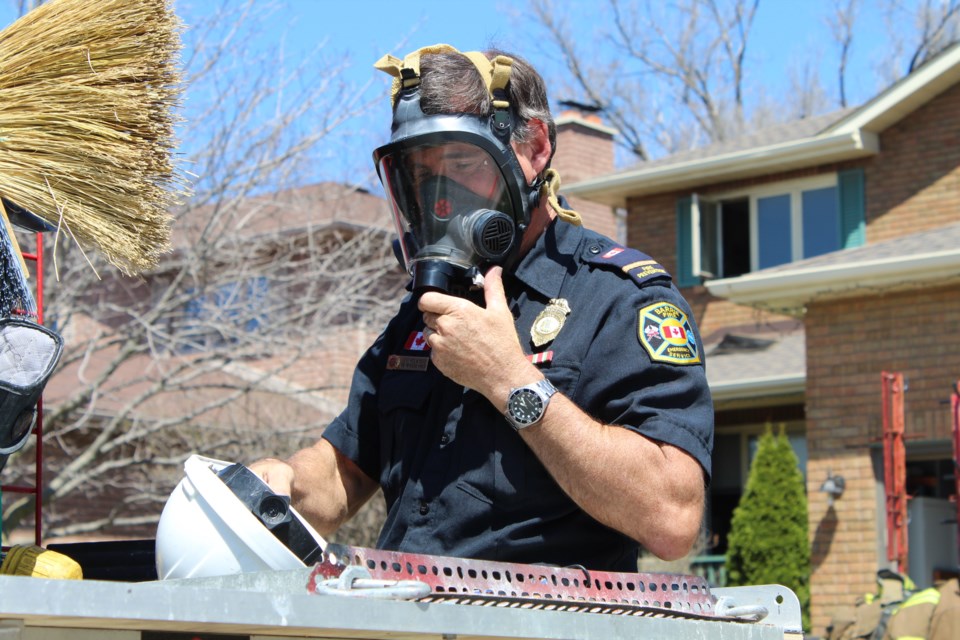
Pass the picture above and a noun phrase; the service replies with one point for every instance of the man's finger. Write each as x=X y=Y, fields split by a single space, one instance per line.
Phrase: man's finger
x=493 y=288
x=437 y=303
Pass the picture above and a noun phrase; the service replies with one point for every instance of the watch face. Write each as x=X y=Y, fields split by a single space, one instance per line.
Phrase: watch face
x=526 y=406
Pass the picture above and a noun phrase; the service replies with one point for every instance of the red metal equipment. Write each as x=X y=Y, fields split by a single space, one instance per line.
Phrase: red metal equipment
x=37 y=258
x=955 y=412
x=895 y=469
x=503 y=584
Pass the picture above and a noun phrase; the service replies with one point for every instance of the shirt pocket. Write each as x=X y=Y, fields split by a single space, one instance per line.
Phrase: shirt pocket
x=402 y=402
x=497 y=466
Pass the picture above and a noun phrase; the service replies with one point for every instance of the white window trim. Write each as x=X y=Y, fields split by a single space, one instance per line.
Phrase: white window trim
x=779 y=188
x=696 y=267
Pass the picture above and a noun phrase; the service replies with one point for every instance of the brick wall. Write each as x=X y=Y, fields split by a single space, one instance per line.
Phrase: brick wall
x=849 y=344
x=914 y=184
x=584 y=150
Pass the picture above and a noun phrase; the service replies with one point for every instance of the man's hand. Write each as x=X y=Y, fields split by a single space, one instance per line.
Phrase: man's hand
x=276 y=473
x=323 y=484
x=474 y=346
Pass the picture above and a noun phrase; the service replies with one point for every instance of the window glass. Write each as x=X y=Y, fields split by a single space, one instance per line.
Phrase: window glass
x=710 y=239
x=798 y=441
x=773 y=231
x=736 y=237
x=216 y=316
x=821 y=222
x=726 y=462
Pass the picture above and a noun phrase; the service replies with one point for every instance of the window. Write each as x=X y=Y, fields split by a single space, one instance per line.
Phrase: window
x=732 y=234
x=219 y=316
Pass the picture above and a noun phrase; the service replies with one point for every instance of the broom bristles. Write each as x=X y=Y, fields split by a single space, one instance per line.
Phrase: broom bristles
x=87 y=119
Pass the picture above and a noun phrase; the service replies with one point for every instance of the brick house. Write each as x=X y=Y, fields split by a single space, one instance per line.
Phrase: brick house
x=816 y=255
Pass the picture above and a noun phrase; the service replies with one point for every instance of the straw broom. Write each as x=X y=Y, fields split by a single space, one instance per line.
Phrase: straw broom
x=88 y=90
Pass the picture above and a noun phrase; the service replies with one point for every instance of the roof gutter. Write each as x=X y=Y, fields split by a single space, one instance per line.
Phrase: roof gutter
x=792 y=289
x=788 y=384
x=614 y=189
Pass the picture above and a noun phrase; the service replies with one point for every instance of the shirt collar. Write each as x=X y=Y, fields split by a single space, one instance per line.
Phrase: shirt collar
x=551 y=259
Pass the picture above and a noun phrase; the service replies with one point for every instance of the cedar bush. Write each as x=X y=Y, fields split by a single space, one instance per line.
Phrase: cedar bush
x=768 y=541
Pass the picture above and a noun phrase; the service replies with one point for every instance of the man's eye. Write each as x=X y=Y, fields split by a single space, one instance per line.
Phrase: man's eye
x=470 y=164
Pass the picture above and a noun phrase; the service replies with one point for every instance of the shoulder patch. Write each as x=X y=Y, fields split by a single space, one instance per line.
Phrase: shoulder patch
x=665 y=332
x=640 y=267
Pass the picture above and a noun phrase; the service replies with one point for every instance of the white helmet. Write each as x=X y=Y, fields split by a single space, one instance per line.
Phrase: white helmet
x=222 y=519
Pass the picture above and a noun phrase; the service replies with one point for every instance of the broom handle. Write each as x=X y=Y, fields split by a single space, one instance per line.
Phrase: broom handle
x=13 y=239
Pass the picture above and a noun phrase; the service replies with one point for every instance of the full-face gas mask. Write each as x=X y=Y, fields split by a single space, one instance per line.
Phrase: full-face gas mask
x=459 y=198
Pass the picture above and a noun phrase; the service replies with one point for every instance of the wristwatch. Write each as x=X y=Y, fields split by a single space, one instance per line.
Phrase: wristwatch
x=526 y=405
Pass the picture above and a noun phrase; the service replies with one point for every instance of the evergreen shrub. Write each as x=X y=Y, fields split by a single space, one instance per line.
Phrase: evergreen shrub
x=768 y=542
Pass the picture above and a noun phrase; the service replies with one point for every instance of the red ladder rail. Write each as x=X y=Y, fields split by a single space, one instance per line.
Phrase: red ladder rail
x=955 y=412
x=895 y=469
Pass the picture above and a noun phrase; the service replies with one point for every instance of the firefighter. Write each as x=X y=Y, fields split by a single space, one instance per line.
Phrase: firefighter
x=931 y=614
x=869 y=616
x=540 y=395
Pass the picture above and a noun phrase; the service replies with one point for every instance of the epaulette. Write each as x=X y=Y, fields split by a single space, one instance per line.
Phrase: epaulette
x=639 y=266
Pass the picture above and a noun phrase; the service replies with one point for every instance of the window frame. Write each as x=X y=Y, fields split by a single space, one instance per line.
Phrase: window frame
x=850 y=186
x=792 y=188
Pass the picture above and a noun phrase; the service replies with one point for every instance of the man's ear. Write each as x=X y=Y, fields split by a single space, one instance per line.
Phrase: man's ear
x=535 y=153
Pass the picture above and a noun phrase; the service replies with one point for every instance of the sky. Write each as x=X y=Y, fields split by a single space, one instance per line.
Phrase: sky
x=360 y=31
x=783 y=30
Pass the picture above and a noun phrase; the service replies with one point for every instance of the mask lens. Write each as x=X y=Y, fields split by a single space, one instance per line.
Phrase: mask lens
x=434 y=190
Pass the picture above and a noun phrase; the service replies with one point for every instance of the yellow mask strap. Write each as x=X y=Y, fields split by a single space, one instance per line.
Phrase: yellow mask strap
x=406 y=72
x=548 y=191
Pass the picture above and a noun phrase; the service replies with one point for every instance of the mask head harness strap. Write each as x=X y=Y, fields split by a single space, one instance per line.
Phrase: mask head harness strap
x=496 y=75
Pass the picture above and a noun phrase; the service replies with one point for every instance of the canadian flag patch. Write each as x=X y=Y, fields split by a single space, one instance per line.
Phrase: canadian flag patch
x=416 y=342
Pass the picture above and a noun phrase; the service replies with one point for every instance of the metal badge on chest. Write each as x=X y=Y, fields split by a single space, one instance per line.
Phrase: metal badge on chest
x=549 y=322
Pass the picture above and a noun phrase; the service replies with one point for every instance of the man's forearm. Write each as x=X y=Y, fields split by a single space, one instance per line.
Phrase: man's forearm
x=327 y=488
x=650 y=491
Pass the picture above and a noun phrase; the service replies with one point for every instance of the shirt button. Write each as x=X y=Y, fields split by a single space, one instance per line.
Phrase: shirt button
x=424 y=508
x=444 y=439
x=595 y=249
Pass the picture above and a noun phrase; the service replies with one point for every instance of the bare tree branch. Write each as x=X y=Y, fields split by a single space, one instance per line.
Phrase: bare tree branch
x=841 y=24
x=241 y=343
x=672 y=76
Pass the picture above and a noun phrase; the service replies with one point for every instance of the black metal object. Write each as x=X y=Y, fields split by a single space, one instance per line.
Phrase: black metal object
x=273 y=510
x=113 y=560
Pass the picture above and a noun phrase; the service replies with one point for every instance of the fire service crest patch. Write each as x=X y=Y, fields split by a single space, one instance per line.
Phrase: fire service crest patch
x=666 y=334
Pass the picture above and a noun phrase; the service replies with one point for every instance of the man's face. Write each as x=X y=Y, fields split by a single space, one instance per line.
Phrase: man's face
x=465 y=164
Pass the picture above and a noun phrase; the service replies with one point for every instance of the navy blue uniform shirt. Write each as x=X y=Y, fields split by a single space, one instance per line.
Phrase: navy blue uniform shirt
x=458 y=480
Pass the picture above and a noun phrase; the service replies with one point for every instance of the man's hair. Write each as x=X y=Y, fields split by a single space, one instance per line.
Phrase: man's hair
x=451 y=84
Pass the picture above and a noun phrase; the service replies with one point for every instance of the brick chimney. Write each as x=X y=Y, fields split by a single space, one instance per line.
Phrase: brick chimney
x=585 y=150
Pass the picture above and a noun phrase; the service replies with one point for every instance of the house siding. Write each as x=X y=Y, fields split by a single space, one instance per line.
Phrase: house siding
x=914 y=183
x=849 y=344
